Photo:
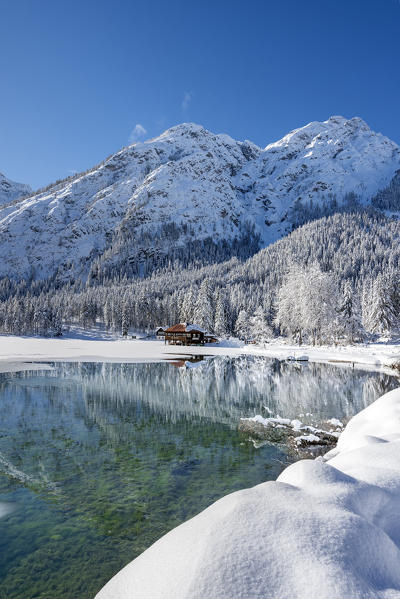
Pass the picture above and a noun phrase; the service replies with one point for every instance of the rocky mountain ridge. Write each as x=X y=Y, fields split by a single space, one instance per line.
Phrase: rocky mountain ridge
x=190 y=194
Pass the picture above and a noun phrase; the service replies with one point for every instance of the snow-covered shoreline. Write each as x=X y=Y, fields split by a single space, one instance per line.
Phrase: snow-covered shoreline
x=377 y=355
x=102 y=347
x=327 y=528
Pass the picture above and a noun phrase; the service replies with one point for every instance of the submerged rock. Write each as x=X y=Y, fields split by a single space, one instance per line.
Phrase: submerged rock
x=285 y=430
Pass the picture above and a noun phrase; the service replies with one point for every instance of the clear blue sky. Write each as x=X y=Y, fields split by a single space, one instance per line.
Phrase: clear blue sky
x=76 y=77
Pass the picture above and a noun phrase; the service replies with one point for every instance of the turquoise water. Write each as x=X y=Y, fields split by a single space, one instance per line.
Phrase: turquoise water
x=97 y=461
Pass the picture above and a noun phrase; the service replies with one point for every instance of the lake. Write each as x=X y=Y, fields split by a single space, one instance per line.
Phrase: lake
x=98 y=460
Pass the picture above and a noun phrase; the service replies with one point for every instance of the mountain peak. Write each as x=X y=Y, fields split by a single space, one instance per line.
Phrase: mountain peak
x=355 y=122
x=190 y=193
x=183 y=130
x=193 y=131
x=10 y=190
x=336 y=128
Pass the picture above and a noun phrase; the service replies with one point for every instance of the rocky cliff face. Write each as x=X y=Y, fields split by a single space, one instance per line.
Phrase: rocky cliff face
x=189 y=194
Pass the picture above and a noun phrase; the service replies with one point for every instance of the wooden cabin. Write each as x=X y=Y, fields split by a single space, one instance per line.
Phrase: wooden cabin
x=185 y=334
x=160 y=333
x=209 y=338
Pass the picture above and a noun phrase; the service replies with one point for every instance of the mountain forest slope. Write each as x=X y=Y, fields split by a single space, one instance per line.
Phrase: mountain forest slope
x=340 y=271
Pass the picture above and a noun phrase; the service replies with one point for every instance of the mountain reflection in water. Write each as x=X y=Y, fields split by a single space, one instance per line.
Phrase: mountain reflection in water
x=219 y=389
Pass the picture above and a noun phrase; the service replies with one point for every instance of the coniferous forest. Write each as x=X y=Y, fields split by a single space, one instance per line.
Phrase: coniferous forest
x=335 y=279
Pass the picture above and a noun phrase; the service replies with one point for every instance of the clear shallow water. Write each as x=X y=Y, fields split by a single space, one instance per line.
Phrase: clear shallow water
x=97 y=461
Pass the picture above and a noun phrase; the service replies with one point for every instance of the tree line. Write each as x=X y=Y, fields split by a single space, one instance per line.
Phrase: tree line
x=335 y=279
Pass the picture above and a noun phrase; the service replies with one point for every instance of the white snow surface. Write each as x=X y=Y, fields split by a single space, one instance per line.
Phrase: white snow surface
x=335 y=422
x=326 y=529
x=81 y=345
x=11 y=191
x=377 y=354
x=187 y=185
x=101 y=348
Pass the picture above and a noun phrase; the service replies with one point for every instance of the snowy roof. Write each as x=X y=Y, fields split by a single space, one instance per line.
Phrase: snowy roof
x=184 y=327
x=194 y=327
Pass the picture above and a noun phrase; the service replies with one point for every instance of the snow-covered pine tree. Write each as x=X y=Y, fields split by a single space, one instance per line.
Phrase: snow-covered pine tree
x=107 y=314
x=203 y=312
x=393 y=277
x=242 y=325
x=221 y=315
x=320 y=303
x=379 y=313
x=56 y=324
x=188 y=302
x=260 y=331
x=307 y=304
x=289 y=304
x=88 y=312
x=125 y=317
x=350 y=325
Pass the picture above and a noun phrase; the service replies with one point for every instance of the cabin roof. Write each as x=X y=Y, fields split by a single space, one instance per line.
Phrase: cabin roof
x=184 y=327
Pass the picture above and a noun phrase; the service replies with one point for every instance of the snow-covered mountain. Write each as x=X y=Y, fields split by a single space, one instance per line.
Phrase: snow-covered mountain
x=10 y=191
x=190 y=192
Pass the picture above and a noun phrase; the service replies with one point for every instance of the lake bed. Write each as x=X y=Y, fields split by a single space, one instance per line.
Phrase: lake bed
x=98 y=460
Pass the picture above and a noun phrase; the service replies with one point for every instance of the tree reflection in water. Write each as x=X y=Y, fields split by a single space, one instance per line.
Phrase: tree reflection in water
x=99 y=460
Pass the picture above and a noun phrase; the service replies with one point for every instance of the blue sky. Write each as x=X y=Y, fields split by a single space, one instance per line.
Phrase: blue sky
x=78 y=80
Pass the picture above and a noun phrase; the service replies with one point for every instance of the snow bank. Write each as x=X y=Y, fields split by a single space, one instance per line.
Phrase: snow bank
x=327 y=528
x=370 y=355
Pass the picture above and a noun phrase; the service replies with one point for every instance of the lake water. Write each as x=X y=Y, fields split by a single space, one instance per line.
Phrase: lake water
x=97 y=461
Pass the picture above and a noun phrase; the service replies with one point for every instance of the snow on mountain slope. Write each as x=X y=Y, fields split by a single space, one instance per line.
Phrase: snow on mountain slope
x=10 y=191
x=186 y=192
x=318 y=163
x=162 y=192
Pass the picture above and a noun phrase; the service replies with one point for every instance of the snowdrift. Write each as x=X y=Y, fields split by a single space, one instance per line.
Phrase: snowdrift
x=327 y=528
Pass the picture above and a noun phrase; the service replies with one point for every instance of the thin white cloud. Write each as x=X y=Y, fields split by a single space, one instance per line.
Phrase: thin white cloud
x=187 y=98
x=161 y=122
x=137 y=133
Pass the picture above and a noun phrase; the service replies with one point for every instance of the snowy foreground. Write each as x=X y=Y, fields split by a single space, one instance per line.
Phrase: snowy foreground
x=97 y=346
x=327 y=528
